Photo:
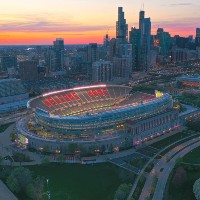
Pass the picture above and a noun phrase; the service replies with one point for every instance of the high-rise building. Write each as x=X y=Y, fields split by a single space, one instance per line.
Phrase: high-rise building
x=135 y=40
x=28 y=70
x=102 y=71
x=49 y=59
x=197 y=39
x=112 y=49
x=164 y=41
x=145 y=44
x=141 y=17
x=106 y=41
x=92 y=52
x=121 y=67
x=58 y=48
x=178 y=54
x=121 y=26
x=8 y=62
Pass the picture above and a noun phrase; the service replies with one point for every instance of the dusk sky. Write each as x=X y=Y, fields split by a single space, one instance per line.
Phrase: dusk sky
x=84 y=21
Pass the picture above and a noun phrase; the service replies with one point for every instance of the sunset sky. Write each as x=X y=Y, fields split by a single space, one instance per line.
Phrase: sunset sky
x=84 y=21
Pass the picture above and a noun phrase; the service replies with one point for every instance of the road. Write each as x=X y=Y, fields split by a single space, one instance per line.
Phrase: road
x=162 y=179
x=166 y=167
x=5 y=193
x=12 y=118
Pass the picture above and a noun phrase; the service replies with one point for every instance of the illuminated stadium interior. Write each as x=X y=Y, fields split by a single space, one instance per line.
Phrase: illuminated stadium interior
x=90 y=101
x=92 y=110
x=94 y=115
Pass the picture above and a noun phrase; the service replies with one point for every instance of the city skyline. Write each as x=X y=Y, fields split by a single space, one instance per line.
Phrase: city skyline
x=28 y=22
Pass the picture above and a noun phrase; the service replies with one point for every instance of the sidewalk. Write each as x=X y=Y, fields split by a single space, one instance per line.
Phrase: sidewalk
x=5 y=193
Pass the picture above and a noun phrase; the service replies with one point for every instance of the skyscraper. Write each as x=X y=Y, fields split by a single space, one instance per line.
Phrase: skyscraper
x=58 y=48
x=145 y=44
x=164 y=41
x=28 y=70
x=134 y=39
x=197 y=39
x=8 y=62
x=141 y=17
x=121 y=67
x=121 y=26
x=92 y=55
x=92 y=52
x=102 y=71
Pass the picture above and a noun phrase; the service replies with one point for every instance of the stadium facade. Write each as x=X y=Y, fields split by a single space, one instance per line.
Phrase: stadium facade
x=94 y=118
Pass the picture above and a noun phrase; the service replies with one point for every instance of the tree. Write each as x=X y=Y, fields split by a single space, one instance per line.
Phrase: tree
x=19 y=179
x=60 y=158
x=122 y=192
x=126 y=176
x=5 y=171
x=196 y=189
x=13 y=136
x=72 y=147
x=35 y=189
x=45 y=160
x=180 y=177
x=1 y=159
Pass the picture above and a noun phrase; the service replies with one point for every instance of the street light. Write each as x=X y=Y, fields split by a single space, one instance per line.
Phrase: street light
x=48 y=191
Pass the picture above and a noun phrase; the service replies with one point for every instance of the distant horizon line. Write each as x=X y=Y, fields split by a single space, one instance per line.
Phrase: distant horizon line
x=2 y=45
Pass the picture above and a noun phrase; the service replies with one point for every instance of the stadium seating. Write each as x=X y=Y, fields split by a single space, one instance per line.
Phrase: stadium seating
x=90 y=100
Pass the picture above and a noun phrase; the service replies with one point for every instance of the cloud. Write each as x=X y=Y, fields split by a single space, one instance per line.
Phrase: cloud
x=69 y=34
x=180 y=22
x=181 y=4
x=41 y=24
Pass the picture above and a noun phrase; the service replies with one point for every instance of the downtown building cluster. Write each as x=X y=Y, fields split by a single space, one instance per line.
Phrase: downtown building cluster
x=134 y=50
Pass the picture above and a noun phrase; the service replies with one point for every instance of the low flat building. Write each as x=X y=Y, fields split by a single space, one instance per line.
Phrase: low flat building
x=13 y=95
x=189 y=82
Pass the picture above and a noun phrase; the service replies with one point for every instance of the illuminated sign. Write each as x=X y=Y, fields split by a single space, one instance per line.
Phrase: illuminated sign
x=23 y=139
x=158 y=94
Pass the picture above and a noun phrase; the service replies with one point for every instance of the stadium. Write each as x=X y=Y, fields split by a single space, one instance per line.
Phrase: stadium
x=89 y=117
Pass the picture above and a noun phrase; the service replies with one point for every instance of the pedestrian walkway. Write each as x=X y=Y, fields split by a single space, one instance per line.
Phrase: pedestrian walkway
x=5 y=193
x=166 y=163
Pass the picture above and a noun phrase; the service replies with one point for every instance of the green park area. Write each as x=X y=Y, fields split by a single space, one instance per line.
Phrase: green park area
x=193 y=157
x=85 y=182
x=183 y=177
x=171 y=139
x=188 y=98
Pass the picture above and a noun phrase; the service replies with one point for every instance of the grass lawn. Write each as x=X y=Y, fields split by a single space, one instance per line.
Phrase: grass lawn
x=193 y=157
x=80 y=182
x=169 y=140
x=186 y=192
x=4 y=127
x=138 y=162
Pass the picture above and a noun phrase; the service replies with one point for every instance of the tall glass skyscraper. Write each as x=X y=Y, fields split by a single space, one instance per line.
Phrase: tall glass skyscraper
x=145 y=27
x=121 y=26
x=197 y=39
x=58 y=48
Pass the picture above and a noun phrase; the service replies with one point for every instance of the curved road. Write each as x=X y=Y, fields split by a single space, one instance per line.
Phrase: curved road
x=167 y=167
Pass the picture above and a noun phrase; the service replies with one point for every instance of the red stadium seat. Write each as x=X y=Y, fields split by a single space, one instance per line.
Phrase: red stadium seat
x=65 y=96
x=47 y=103
x=75 y=96
x=52 y=101
x=105 y=92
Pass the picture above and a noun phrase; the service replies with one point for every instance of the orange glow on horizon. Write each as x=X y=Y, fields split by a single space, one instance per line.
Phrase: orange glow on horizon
x=46 y=38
